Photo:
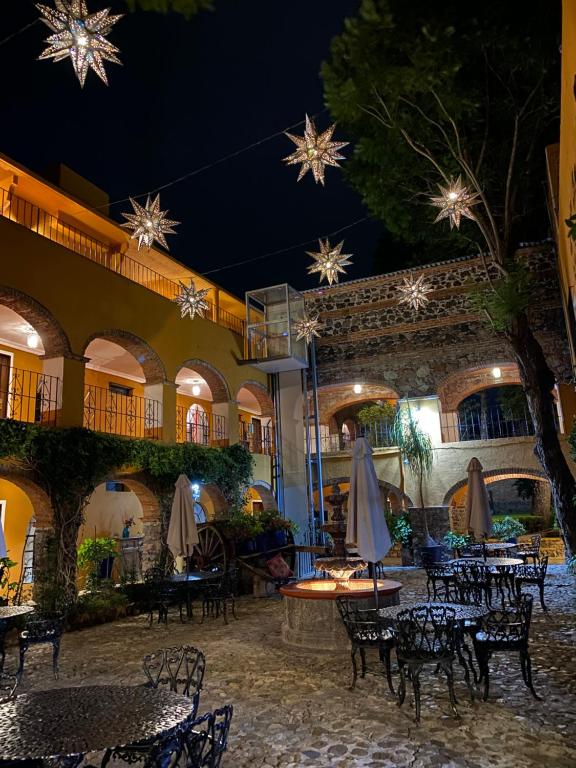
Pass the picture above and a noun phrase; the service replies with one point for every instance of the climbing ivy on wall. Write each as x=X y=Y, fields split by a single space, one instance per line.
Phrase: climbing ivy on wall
x=68 y=464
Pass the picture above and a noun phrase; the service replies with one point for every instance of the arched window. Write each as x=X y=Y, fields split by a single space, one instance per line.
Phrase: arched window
x=197 y=428
x=199 y=513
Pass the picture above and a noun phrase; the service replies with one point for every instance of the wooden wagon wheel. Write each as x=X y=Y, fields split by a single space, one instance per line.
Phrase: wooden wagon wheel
x=211 y=550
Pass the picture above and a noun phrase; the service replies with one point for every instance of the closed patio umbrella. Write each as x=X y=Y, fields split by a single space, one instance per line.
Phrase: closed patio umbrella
x=3 y=551
x=182 y=531
x=366 y=521
x=478 y=517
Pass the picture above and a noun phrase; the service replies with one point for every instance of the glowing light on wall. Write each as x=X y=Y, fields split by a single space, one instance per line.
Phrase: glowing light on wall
x=357 y=389
x=497 y=373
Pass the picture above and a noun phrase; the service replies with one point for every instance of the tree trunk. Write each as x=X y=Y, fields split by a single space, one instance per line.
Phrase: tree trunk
x=66 y=528
x=538 y=382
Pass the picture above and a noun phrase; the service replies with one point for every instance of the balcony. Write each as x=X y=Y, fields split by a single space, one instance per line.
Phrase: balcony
x=491 y=424
x=29 y=396
x=46 y=225
x=257 y=438
x=379 y=435
x=124 y=415
x=208 y=429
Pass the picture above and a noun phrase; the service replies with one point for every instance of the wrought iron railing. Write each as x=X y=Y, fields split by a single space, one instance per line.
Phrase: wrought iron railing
x=257 y=438
x=117 y=414
x=379 y=435
x=29 y=396
x=494 y=423
x=200 y=427
x=106 y=254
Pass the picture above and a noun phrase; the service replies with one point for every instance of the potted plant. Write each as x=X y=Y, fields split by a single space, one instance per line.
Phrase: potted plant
x=401 y=533
x=243 y=528
x=275 y=529
x=415 y=449
x=456 y=541
x=508 y=529
x=96 y=556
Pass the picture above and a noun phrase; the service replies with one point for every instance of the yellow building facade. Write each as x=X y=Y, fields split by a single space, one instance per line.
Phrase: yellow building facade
x=90 y=336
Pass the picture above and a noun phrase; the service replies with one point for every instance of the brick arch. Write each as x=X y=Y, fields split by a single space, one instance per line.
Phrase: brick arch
x=461 y=384
x=334 y=397
x=494 y=475
x=264 y=490
x=38 y=497
x=219 y=503
x=151 y=517
x=152 y=365
x=218 y=385
x=261 y=394
x=54 y=339
x=329 y=482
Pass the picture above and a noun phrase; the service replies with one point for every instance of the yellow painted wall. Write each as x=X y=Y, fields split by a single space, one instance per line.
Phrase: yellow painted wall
x=106 y=512
x=23 y=360
x=19 y=511
x=103 y=379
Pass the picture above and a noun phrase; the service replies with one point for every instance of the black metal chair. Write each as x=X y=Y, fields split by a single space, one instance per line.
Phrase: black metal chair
x=41 y=631
x=439 y=574
x=507 y=630
x=8 y=685
x=425 y=635
x=181 y=669
x=473 y=582
x=206 y=739
x=366 y=629
x=219 y=596
x=525 y=550
x=470 y=550
x=161 y=594
x=532 y=574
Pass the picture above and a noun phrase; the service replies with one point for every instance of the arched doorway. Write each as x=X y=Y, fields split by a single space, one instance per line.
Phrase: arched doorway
x=256 y=416
x=202 y=402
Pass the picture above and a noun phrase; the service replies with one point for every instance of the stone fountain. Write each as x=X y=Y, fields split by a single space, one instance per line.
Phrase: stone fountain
x=311 y=620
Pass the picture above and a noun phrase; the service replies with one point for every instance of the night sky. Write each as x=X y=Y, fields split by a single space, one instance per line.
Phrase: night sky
x=190 y=92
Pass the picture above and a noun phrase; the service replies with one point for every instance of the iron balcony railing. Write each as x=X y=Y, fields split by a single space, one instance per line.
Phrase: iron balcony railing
x=29 y=396
x=126 y=415
x=494 y=423
x=201 y=428
x=379 y=435
x=257 y=438
x=107 y=255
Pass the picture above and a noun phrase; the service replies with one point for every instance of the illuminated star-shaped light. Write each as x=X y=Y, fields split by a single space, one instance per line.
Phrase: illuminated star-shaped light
x=80 y=36
x=149 y=223
x=315 y=151
x=329 y=261
x=414 y=292
x=191 y=301
x=455 y=202
x=307 y=328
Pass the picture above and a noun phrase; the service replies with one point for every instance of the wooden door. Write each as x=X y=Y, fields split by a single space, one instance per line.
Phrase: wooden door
x=5 y=362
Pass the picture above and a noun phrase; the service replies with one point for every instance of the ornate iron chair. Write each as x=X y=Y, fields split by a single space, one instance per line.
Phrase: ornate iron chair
x=41 y=631
x=366 y=629
x=473 y=582
x=161 y=594
x=525 y=550
x=8 y=685
x=425 y=635
x=217 y=597
x=181 y=669
x=470 y=550
x=206 y=739
x=439 y=574
x=506 y=630
x=532 y=574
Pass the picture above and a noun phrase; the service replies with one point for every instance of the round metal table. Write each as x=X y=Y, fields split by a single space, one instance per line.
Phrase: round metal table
x=493 y=562
x=463 y=612
x=12 y=611
x=62 y=722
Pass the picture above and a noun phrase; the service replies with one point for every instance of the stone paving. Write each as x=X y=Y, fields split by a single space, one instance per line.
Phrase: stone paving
x=294 y=709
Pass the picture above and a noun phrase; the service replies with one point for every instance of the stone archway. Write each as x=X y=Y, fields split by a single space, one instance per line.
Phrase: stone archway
x=461 y=384
x=148 y=358
x=335 y=397
x=264 y=490
x=53 y=336
x=493 y=475
x=261 y=394
x=151 y=517
x=220 y=507
x=218 y=385
x=384 y=485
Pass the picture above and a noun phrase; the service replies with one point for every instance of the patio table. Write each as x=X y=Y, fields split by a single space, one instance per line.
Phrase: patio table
x=11 y=611
x=493 y=562
x=64 y=724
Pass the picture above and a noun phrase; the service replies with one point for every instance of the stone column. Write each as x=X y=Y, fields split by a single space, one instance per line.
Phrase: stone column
x=70 y=396
x=438 y=523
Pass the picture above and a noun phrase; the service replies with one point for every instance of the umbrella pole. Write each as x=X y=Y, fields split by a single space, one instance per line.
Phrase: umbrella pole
x=375 y=581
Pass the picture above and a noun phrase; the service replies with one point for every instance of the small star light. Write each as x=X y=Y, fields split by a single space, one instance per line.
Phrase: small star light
x=149 y=223
x=454 y=203
x=307 y=328
x=191 y=301
x=80 y=36
x=315 y=151
x=329 y=261
x=414 y=292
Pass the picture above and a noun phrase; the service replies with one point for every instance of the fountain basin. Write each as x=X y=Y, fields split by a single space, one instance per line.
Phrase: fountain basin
x=311 y=618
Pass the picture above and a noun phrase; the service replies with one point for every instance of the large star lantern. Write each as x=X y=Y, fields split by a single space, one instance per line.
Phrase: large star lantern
x=191 y=301
x=414 y=292
x=455 y=202
x=149 y=223
x=329 y=261
x=80 y=36
x=307 y=328
x=315 y=151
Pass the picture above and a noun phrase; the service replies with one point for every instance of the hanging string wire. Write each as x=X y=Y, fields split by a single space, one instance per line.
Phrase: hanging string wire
x=19 y=32
x=219 y=161
x=284 y=250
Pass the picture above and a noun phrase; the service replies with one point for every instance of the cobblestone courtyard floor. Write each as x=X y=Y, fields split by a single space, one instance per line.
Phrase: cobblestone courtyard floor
x=296 y=710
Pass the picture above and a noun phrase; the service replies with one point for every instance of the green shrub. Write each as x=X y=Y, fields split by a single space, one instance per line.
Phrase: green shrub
x=400 y=528
x=91 y=552
x=532 y=523
x=507 y=528
x=456 y=540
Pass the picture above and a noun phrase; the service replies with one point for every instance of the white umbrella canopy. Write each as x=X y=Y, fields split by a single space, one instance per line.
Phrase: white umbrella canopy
x=366 y=521
x=478 y=516
x=182 y=531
